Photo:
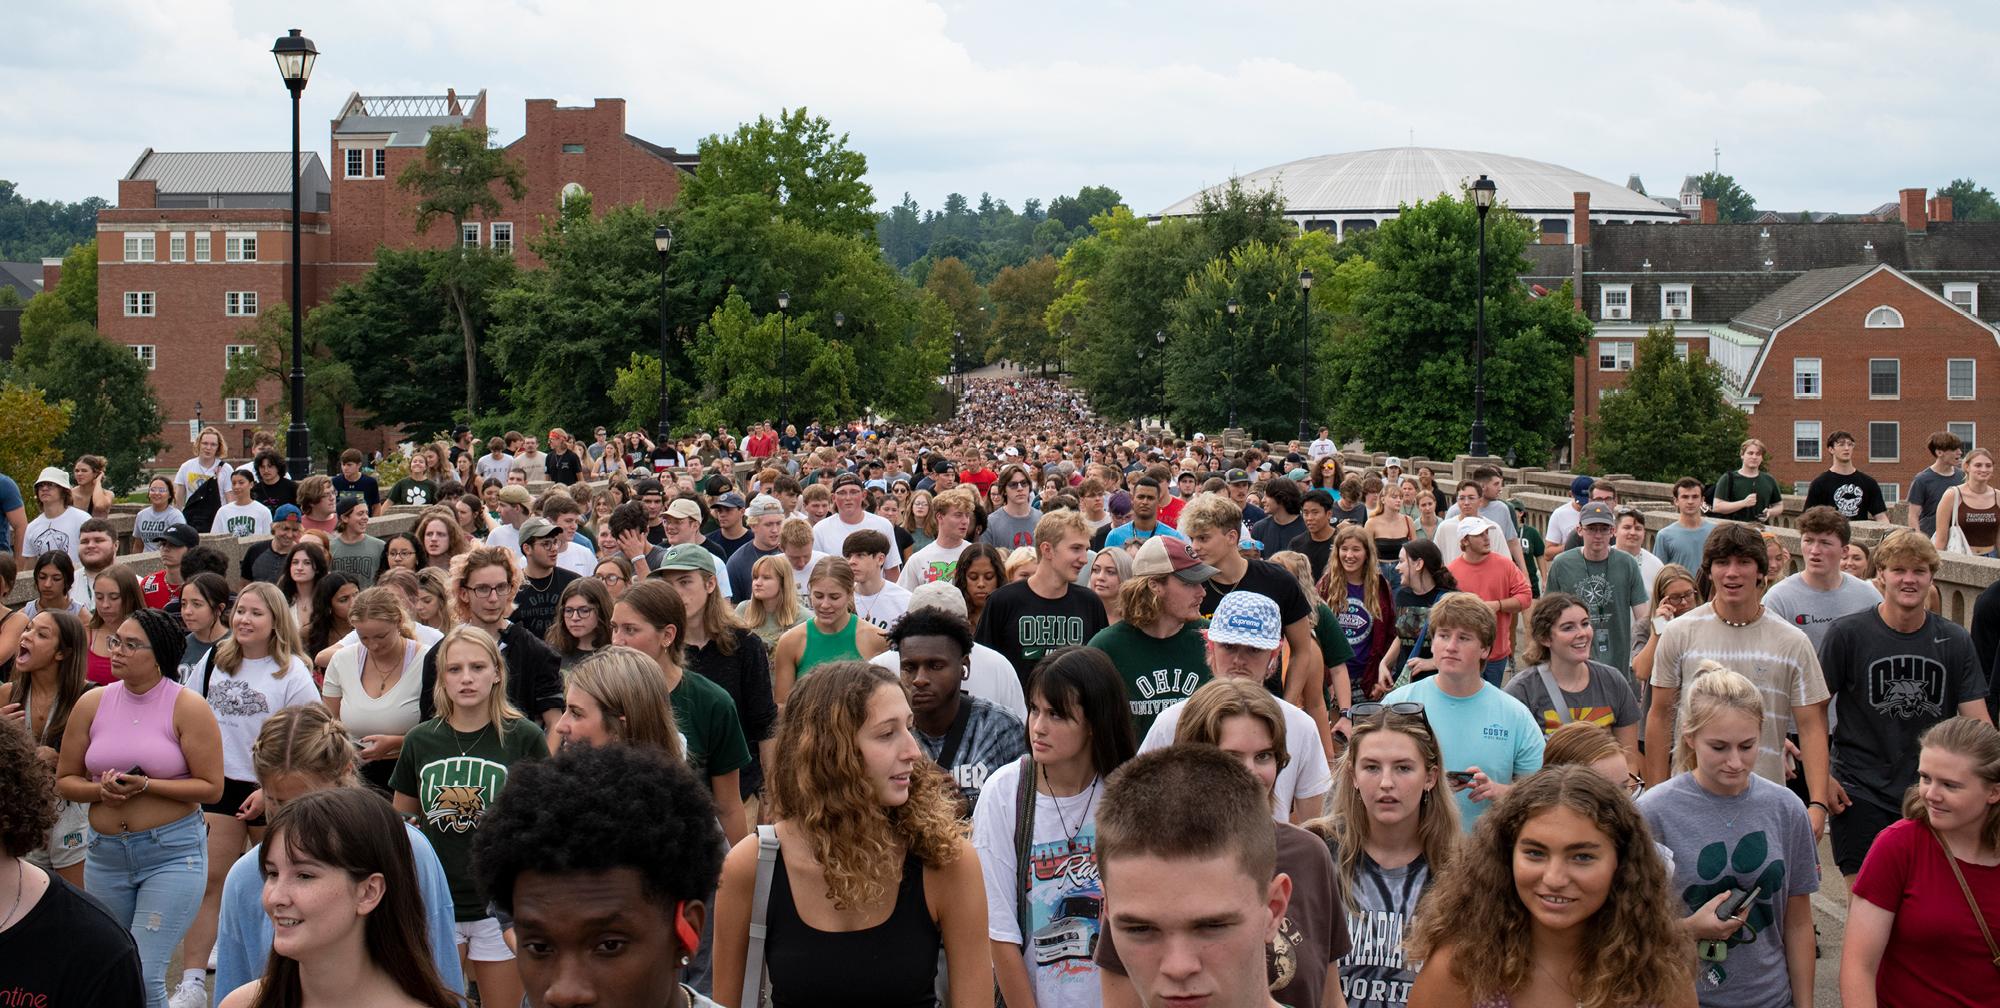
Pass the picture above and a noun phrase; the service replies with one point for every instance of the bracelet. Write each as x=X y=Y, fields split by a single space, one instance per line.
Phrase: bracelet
x=1822 y=806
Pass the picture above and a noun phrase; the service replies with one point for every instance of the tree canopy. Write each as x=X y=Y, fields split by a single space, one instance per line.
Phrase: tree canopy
x=1970 y=201
x=1732 y=204
x=795 y=166
x=1670 y=420
x=38 y=229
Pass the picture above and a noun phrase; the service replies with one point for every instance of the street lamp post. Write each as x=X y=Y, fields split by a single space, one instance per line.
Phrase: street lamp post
x=295 y=55
x=1233 y=308
x=1160 y=342
x=663 y=240
x=1483 y=192
x=784 y=360
x=1305 y=345
x=957 y=355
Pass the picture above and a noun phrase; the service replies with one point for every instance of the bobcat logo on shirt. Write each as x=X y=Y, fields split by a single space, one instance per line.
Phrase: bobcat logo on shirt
x=456 y=791
x=458 y=807
x=1907 y=686
x=1847 y=500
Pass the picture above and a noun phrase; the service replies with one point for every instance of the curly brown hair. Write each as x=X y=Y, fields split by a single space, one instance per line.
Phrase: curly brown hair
x=822 y=788
x=28 y=805
x=1636 y=955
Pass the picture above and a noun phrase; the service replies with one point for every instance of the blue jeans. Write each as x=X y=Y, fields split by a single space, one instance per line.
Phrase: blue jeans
x=1495 y=671
x=152 y=881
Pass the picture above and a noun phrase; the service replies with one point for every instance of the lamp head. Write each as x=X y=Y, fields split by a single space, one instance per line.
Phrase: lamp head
x=1232 y=306
x=1306 y=279
x=1483 y=191
x=295 y=55
x=663 y=239
x=784 y=300
x=839 y=320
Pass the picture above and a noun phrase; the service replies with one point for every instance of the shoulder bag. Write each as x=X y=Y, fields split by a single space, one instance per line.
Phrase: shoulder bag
x=1977 y=917
x=760 y=907
x=1556 y=698
x=1954 y=537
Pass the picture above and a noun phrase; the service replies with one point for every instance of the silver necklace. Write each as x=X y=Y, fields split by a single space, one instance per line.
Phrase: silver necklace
x=1069 y=832
x=458 y=737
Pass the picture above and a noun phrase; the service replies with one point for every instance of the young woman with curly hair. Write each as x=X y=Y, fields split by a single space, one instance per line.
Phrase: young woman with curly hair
x=1557 y=898
x=874 y=876
x=1079 y=731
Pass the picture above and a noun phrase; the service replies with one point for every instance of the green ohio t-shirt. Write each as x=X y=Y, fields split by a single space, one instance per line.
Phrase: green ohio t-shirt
x=1157 y=673
x=711 y=734
x=455 y=776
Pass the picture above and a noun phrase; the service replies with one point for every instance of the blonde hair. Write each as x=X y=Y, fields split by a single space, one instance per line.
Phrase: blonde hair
x=1301 y=570
x=1346 y=821
x=628 y=688
x=471 y=562
x=433 y=582
x=384 y=604
x=1715 y=689
x=836 y=570
x=1747 y=442
x=1465 y=611
x=1580 y=742
x=795 y=532
x=1906 y=547
x=498 y=710
x=306 y=740
x=285 y=643
x=1019 y=557
x=1210 y=512
x=786 y=609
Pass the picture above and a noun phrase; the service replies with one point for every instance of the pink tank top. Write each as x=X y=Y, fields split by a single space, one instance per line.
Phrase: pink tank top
x=136 y=731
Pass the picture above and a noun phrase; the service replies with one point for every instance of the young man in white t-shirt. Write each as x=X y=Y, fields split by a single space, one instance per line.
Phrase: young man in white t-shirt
x=879 y=602
x=242 y=515
x=952 y=511
x=850 y=515
x=516 y=506
x=57 y=528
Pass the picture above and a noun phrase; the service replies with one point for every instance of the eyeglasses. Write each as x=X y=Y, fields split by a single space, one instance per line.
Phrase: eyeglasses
x=130 y=645
x=1020 y=485
x=1679 y=598
x=578 y=612
x=612 y=578
x=487 y=591
x=1364 y=711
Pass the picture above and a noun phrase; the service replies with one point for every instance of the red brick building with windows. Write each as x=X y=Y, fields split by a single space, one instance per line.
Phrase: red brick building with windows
x=199 y=244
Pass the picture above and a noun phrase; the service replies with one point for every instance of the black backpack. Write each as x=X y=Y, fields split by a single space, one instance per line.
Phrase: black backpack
x=202 y=505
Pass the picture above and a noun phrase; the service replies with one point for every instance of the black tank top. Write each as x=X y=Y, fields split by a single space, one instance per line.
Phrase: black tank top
x=891 y=965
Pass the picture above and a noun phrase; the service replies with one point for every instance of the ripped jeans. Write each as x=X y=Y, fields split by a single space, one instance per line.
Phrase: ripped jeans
x=151 y=880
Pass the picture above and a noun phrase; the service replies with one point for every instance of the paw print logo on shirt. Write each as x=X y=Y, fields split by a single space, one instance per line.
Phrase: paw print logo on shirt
x=1722 y=869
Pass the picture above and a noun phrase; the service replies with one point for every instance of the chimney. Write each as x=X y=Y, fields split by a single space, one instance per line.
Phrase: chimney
x=1912 y=201
x=1941 y=209
x=1580 y=226
x=451 y=106
x=51 y=272
x=1708 y=211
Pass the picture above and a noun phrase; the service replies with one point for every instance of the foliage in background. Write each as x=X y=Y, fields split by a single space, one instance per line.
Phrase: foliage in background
x=1970 y=201
x=795 y=166
x=30 y=428
x=990 y=237
x=330 y=382
x=1732 y=204
x=32 y=230
x=1672 y=418
x=113 y=411
x=72 y=301
x=396 y=332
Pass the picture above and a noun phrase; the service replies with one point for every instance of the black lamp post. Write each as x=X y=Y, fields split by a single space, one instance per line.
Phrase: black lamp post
x=295 y=55
x=957 y=356
x=1233 y=308
x=1160 y=341
x=663 y=240
x=1305 y=345
x=784 y=360
x=1483 y=192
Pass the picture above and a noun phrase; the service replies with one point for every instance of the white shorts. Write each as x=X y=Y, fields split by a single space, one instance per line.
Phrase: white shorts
x=483 y=940
x=68 y=839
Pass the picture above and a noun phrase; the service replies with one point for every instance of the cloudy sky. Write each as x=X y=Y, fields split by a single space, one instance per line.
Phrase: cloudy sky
x=1829 y=105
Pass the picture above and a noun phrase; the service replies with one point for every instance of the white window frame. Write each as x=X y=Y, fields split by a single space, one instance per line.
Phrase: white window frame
x=504 y=246
x=1666 y=308
x=1804 y=374
x=1898 y=362
x=1883 y=317
x=141 y=304
x=468 y=235
x=1892 y=493
x=381 y=159
x=177 y=247
x=1967 y=431
x=1897 y=428
x=239 y=410
x=140 y=246
x=570 y=189
x=1972 y=377
x=239 y=246
x=356 y=163
x=147 y=353
x=1604 y=305
x=202 y=248
x=1971 y=292
x=1622 y=354
x=1801 y=440
x=234 y=350
x=1681 y=350
x=239 y=304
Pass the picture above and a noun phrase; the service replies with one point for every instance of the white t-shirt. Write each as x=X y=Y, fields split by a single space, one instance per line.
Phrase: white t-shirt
x=244 y=700
x=1065 y=909
x=425 y=636
x=1305 y=776
x=392 y=713
x=190 y=476
x=506 y=535
x=884 y=607
x=492 y=468
x=242 y=519
x=1562 y=522
x=934 y=562
x=1649 y=568
x=578 y=558
x=831 y=533
x=1447 y=538
x=55 y=535
x=991 y=678
x=799 y=577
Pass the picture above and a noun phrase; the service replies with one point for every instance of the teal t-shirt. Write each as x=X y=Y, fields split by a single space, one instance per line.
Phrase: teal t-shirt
x=1489 y=730
x=455 y=776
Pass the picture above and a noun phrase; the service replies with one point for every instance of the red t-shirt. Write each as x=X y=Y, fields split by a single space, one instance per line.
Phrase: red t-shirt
x=157 y=592
x=982 y=477
x=1170 y=512
x=1494 y=579
x=761 y=445
x=1935 y=954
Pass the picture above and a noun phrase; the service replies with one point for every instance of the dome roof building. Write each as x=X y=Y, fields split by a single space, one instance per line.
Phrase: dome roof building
x=1359 y=190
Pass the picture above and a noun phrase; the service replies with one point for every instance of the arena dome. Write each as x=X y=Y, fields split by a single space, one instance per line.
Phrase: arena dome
x=1359 y=190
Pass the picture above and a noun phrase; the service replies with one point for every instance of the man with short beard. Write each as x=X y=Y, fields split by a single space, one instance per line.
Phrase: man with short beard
x=97 y=548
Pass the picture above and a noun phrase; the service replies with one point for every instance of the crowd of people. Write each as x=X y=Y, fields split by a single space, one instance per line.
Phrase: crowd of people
x=1026 y=705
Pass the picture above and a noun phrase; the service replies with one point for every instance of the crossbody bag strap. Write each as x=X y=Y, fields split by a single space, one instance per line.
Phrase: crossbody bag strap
x=760 y=907
x=1977 y=917
x=1024 y=836
x=1556 y=698
x=948 y=756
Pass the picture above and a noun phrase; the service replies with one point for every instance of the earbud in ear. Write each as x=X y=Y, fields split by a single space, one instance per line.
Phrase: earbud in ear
x=690 y=938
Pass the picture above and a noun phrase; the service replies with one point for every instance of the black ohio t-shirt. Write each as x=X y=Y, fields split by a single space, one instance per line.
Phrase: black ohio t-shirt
x=1024 y=626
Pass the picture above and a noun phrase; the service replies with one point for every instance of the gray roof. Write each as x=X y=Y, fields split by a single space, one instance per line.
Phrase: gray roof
x=25 y=278
x=224 y=172
x=1380 y=181
x=406 y=119
x=403 y=131
x=1800 y=296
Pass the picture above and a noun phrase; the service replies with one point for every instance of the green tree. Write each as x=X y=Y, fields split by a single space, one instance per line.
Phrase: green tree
x=1970 y=201
x=1253 y=356
x=1671 y=419
x=1117 y=288
x=796 y=166
x=399 y=335
x=1021 y=297
x=737 y=354
x=1402 y=378
x=113 y=411
x=330 y=382
x=35 y=229
x=72 y=300
x=952 y=283
x=1233 y=216
x=30 y=429
x=1076 y=211
x=455 y=180
x=1732 y=204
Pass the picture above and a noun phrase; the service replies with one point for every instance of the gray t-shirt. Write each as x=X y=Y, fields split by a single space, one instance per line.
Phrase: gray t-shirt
x=1609 y=588
x=1759 y=838
x=1887 y=688
x=1006 y=531
x=1375 y=972
x=1677 y=545
x=1926 y=491
x=360 y=560
x=1812 y=610
x=993 y=738
x=1607 y=699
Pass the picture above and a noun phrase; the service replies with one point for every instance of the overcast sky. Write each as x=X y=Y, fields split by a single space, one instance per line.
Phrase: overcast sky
x=1825 y=105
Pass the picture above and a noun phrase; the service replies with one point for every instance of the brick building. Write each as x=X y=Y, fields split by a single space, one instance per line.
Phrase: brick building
x=1756 y=296
x=200 y=243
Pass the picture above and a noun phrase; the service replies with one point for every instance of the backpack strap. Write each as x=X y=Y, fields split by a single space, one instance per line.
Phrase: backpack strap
x=1024 y=836
x=760 y=906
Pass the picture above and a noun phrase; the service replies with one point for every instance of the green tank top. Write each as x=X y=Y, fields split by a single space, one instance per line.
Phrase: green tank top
x=823 y=647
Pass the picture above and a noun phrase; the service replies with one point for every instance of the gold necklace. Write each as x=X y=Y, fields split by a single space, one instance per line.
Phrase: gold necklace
x=1566 y=992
